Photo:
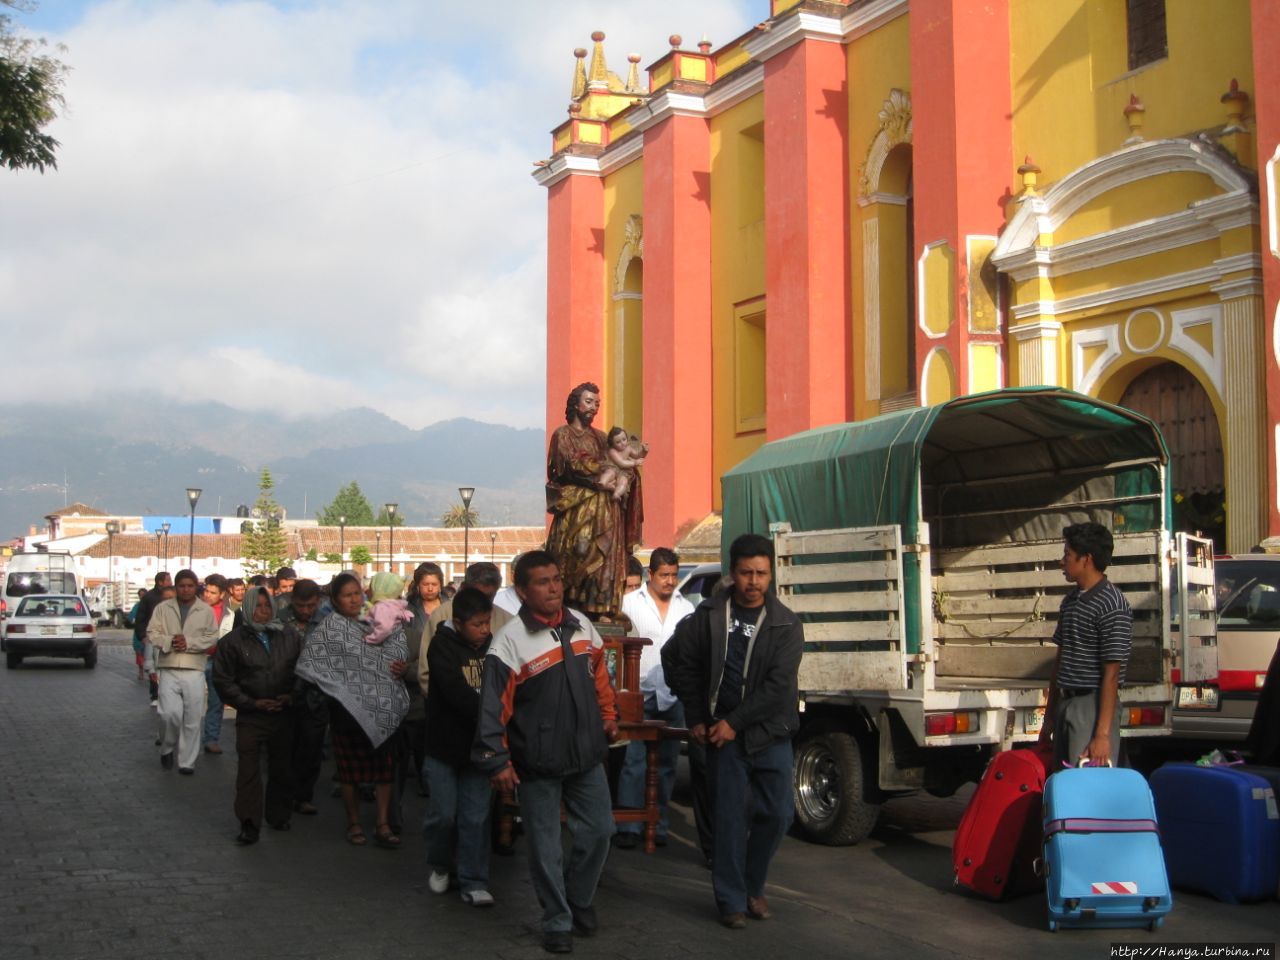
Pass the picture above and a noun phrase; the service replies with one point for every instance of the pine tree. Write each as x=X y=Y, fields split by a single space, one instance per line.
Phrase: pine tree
x=264 y=545
x=351 y=503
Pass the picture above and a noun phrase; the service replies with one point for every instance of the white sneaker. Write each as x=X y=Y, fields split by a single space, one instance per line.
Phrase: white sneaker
x=438 y=882
x=478 y=898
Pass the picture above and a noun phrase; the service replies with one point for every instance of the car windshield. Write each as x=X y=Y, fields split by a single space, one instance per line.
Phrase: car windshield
x=1248 y=593
x=50 y=607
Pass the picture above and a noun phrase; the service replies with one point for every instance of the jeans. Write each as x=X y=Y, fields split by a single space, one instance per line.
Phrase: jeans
x=590 y=819
x=752 y=808
x=458 y=799
x=631 y=782
x=213 y=714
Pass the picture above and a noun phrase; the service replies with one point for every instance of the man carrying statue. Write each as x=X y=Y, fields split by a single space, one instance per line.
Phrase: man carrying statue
x=592 y=533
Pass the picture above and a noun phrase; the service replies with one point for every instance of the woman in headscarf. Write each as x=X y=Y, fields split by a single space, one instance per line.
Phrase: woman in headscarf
x=253 y=671
x=361 y=670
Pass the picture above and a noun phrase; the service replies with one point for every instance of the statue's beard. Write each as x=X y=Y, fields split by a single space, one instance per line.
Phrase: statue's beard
x=585 y=419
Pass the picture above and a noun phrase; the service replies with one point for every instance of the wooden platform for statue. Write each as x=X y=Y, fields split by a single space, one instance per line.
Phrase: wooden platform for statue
x=622 y=657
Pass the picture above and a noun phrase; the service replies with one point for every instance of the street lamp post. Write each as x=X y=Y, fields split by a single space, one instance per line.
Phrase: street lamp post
x=466 y=493
x=113 y=527
x=377 y=547
x=493 y=545
x=342 y=540
x=391 y=534
x=193 y=494
x=164 y=528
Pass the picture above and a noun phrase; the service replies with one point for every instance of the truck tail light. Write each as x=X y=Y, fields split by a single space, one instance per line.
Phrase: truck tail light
x=961 y=721
x=1144 y=717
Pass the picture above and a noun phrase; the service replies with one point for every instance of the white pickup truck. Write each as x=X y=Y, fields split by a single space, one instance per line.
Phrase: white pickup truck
x=921 y=550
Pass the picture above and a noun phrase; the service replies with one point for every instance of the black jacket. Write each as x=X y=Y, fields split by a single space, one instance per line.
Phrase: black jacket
x=453 y=699
x=693 y=662
x=243 y=671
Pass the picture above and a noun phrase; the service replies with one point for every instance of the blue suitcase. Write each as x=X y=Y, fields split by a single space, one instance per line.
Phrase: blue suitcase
x=1221 y=830
x=1102 y=863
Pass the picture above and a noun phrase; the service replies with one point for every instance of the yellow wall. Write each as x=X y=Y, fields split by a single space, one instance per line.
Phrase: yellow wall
x=1069 y=66
x=623 y=196
x=737 y=267
x=877 y=63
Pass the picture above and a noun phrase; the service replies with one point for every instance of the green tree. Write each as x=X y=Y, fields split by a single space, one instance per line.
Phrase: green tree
x=458 y=516
x=333 y=558
x=382 y=520
x=360 y=555
x=264 y=544
x=351 y=503
x=30 y=95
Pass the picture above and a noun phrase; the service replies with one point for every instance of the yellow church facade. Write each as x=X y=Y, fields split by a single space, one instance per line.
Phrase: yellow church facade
x=857 y=207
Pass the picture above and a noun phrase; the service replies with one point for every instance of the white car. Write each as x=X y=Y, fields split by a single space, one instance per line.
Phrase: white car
x=50 y=625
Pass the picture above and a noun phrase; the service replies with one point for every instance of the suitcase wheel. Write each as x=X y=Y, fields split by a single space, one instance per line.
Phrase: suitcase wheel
x=1053 y=926
x=1022 y=788
x=1154 y=925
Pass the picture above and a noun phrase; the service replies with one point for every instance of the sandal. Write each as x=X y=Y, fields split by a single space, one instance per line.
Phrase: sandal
x=355 y=835
x=385 y=838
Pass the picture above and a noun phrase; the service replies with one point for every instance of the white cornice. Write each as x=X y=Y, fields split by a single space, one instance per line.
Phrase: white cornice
x=1114 y=295
x=623 y=152
x=793 y=29
x=566 y=164
x=1037 y=329
x=873 y=16
x=742 y=84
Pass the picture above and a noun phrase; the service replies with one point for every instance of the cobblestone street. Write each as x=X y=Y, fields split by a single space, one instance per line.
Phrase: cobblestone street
x=106 y=856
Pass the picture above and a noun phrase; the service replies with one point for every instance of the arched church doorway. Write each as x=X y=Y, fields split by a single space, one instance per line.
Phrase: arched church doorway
x=1179 y=405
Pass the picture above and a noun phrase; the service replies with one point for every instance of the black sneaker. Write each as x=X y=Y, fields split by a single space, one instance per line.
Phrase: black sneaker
x=626 y=840
x=557 y=941
x=166 y=760
x=248 y=833
x=585 y=923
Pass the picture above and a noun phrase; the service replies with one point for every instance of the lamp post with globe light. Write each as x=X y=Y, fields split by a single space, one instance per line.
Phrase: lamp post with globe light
x=113 y=527
x=466 y=493
x=193 y=494
x=164 y=528
x=391 y=509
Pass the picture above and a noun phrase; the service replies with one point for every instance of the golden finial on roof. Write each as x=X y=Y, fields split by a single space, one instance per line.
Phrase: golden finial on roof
x=598 y=72
x=633 y=75
x=579 y=73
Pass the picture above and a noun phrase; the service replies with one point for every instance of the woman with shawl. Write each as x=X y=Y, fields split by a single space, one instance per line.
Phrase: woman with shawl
x=360 y=665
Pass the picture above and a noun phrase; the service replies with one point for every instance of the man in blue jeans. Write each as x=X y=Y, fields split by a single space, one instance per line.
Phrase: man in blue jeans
x=734 y=665
x=547 y=715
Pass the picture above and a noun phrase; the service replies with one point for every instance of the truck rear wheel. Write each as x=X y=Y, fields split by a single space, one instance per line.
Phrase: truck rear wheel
x=830 y=790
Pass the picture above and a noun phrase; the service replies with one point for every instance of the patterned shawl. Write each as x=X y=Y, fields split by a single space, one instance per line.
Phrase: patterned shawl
x=357 y=674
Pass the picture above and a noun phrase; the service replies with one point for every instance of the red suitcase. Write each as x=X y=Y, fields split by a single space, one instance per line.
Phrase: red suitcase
x=1000 y=834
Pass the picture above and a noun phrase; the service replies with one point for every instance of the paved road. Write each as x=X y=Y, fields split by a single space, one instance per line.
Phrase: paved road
x=105 y=855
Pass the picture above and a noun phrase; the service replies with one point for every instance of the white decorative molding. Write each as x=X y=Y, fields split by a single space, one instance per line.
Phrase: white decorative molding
x=791 y=29
x=740 y=85
x=889 y=199
x=632 y=248
x=1037 y=352
x=921 y=291
x=1128 y=323
x=871 y=306
x=1084 y=380
x=975 y=345
x=1132 y=291
x=1274 y=213
x=1040 y=329
x=628 y=148
x=1043 y=215
x=895 y=129
x=627 y=296
x=870 y=17
x=1183 y=342
x=930 y=359
x=564 y=165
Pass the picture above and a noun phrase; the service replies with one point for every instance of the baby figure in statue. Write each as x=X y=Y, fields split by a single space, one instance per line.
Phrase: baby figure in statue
x=625 y=454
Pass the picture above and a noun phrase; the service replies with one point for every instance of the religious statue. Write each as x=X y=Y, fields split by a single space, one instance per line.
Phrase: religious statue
x=593 y=528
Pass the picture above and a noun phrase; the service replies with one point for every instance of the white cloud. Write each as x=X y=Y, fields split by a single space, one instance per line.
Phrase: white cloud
x=329 y=198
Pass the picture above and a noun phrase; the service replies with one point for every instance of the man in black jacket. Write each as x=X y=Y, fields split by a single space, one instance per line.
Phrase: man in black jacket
x=734 y=665
x=253 y=671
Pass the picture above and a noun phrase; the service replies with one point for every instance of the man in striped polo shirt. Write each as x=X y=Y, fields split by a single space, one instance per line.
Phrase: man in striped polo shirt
x=1094 y=635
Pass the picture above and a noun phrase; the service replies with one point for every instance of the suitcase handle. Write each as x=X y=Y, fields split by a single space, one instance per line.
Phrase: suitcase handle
x=1084 y=762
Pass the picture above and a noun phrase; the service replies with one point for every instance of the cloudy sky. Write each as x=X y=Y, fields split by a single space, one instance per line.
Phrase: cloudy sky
x=306 y=205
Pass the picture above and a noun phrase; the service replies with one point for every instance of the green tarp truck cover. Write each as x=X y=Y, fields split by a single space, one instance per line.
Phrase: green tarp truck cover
x=870 y=473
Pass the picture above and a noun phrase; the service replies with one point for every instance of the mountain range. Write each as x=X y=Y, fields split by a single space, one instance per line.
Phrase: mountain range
x=137 y=455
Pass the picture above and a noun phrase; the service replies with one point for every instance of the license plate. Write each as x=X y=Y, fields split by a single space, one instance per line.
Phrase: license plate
x=1034 y=721
x=1197 y=698
x=49 y=631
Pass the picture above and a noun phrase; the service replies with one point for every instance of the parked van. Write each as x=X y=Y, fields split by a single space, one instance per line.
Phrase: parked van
x=36 y=572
